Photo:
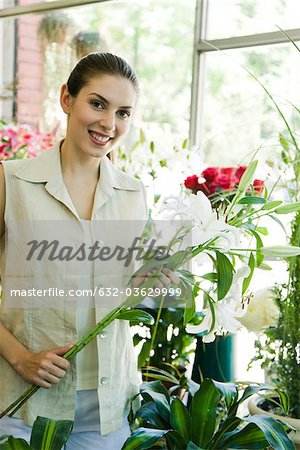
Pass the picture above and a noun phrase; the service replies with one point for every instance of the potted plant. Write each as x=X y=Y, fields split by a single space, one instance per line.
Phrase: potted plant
x=210 y=421
x=85 y=42
x=54 y=27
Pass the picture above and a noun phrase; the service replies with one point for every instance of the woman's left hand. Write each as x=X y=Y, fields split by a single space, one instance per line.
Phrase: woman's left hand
x=164 y=279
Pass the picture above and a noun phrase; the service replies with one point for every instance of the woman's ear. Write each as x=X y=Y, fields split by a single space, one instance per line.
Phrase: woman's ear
x=65 y=99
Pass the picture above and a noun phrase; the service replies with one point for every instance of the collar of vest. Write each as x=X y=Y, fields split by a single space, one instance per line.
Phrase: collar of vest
x=46 y=167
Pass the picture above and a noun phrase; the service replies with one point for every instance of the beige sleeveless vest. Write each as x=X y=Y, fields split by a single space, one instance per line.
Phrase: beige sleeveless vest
x=35 y=193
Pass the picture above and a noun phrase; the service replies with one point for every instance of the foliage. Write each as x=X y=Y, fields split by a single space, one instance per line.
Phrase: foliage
x=171 y=343
x=279 y=352
x=47 y=434
x=210 y=421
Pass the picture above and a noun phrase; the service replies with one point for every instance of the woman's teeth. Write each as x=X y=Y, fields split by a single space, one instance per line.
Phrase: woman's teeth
x=98 y=137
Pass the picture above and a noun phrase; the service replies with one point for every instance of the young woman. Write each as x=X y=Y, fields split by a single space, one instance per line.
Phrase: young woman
x=73 y=183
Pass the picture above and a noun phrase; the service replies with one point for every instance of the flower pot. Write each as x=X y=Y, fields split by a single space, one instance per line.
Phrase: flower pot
x=254 y=408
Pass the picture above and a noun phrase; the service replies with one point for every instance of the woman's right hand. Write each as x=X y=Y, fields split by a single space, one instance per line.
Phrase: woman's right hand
x=44 y=368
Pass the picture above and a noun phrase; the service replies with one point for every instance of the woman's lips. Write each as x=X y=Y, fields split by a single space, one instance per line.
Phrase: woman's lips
x=98 y=138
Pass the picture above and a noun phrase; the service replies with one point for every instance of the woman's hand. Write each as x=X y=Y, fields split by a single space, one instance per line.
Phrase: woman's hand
x=44 y=368
x=163 y=280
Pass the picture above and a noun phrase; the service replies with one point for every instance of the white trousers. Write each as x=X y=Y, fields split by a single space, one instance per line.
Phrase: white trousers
x=85 y=434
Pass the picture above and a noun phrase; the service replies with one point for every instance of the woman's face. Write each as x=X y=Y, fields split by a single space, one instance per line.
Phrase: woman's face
x=100 y=114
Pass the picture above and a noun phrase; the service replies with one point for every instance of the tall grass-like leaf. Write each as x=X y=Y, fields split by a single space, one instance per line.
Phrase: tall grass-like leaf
x=192 y=446
x=50 y=434
x=271 y=205
x=288 y=208
x=224 y=274
x=273 y=430
x=15 y=444
x=247 y=280
x=204 y=413
x=180 y=419
x=143 y=438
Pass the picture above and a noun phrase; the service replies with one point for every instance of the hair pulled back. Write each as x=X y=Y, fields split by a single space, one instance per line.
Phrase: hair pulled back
x=95 y=64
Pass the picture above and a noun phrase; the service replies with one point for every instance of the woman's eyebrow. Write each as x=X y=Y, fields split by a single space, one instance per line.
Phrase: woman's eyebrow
x=104 y=100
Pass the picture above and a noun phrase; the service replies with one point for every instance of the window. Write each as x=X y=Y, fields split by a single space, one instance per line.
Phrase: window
x=232 y=115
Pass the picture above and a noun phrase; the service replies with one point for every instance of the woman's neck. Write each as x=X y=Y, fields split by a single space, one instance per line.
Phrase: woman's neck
x=77 y=164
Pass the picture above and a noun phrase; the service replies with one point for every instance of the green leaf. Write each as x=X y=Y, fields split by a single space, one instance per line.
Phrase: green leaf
x=144 y=355
x=249 y=437
x=271 y=205
x=136 y=316
x=228 y=391
x=190 y=305
x=251 y=200
x=143 y=438
x=149 y=412
x=247 y=280
x=50 y=434
x=180 y=419
x=225 y=274
x=192 y=446
x=163 y=163
x=247 y=176
x=273 y=430
x=142 y=136
x=152 y=147
x=204 y=413
x=288 y=208
x=212 y=276
x=15 y=444
x=185 y=143
x=155 y=391
x=259 y=245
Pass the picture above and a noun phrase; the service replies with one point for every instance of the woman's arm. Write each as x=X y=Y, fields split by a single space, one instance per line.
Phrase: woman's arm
x=43 y=368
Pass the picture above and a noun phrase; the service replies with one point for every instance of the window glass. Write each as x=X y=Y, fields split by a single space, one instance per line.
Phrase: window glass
x=228 y=18
x=238 y=115
x=156 y=38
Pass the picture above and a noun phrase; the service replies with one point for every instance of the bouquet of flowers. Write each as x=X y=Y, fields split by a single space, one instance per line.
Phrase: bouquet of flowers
x=219 y=179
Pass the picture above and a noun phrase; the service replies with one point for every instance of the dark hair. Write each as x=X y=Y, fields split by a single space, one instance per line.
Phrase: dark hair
x=97 y=63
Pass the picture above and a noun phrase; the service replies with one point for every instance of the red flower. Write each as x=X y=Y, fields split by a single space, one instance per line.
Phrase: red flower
x=229 y=171
x=259 y=185
x=210 y=174
x=225 y=183
x=240 y=171
x=191 y=182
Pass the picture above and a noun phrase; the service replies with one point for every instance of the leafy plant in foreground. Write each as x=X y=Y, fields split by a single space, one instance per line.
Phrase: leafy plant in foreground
x=210 y=421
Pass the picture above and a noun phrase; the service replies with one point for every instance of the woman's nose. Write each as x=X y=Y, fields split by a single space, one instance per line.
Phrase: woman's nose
x=107 y=120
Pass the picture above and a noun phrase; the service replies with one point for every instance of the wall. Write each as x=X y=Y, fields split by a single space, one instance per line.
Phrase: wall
x=29 y=69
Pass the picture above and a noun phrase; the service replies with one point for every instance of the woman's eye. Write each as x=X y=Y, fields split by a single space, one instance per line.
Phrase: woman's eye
x=124 y=113
x=97 y=104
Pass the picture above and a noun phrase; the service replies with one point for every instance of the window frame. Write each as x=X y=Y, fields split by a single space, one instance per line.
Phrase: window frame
x=203 y=46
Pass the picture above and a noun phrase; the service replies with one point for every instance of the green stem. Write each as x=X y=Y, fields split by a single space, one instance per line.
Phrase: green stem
x=155 y=328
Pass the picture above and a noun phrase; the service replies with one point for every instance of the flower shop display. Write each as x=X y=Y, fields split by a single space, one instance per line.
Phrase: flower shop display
x=200 y=230
x=210 y=421
x=20 y=141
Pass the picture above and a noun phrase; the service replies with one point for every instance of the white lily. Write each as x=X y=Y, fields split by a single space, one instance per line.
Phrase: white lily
x=206 y=224
x=226 y=311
